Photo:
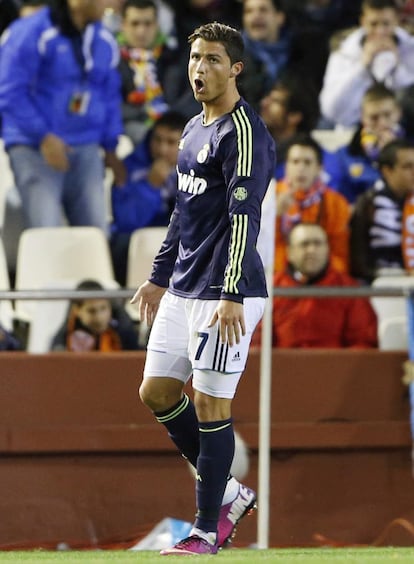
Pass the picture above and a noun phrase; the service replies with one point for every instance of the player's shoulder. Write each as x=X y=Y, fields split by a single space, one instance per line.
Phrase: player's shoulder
x=243 y=119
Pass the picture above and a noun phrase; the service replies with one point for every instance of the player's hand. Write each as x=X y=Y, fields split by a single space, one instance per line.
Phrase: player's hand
x=55 y=152
x=230 y=316
x=148 y=297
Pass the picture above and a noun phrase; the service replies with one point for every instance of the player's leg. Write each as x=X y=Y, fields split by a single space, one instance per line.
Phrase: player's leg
x=167 y=369
x=215 y=379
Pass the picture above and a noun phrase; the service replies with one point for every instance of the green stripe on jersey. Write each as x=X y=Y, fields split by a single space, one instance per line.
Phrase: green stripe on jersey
x=244 y=142
x=237 y=250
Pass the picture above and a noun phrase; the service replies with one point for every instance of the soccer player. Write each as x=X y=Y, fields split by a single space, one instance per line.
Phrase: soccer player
x=203 y=324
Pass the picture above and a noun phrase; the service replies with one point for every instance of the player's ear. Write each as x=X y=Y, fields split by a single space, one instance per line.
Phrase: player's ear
x=236 y=69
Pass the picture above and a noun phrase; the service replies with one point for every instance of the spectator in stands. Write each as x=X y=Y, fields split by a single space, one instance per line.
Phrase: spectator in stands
x=60 y=104
x=271 y=47
x=383 y=218
x=95 y=324
x=303 y=197
x=148 y=197
x=290 y=107
x=379 y=51
x=145 y=57
x=307 y=322
x=352 y=169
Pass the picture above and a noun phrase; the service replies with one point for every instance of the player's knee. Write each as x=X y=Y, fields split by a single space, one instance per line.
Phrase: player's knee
x=157 y=396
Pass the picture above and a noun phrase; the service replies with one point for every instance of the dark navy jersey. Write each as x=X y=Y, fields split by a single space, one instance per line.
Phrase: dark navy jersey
x=223 y=171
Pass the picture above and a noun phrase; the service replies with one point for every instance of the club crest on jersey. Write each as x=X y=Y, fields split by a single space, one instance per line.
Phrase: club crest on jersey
x=203 y=154
x=240 y=193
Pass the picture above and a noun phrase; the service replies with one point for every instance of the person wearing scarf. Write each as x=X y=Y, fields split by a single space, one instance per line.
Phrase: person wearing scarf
x=95 y=324
x=303 y=197
x=382 y=224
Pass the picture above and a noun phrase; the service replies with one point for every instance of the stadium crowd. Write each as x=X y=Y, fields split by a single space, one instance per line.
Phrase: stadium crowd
x=76 y=76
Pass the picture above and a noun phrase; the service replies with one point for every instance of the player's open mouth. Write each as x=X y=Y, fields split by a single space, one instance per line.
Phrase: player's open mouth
x=199 y=85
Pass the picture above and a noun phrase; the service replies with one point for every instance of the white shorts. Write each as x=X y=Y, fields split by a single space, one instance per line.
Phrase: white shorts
x=181 y=344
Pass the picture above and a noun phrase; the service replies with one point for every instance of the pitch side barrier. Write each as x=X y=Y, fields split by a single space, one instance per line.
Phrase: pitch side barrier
x=291 y=292
x=266 y=359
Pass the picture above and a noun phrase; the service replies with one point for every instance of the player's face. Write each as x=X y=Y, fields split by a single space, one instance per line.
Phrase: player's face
x=273 y=109
x=140 y=27
x=95 y=315
x=164 y=144
x=379 y=24
x=209 y=70
x=308 y=250
x=401 y=175
x=380 y=115
x=302 y=167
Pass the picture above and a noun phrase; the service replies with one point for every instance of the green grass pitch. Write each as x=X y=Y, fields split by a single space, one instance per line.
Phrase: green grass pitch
x=233 y=556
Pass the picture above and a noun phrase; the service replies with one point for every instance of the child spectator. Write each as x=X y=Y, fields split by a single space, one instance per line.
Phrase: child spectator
x=145 y=57
x=352 y=169
x=303 y=197
x=95 y=324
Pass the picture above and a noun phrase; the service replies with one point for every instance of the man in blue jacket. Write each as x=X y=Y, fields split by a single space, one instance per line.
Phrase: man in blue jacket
x=60 y=105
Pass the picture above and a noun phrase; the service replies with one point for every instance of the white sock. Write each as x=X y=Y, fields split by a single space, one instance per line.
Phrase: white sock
x=231 y=491
x=209 y=537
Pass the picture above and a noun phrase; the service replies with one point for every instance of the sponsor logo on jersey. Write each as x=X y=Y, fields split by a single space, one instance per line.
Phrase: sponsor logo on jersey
x=240 y=193
x=191 y=183
x=203 y=154
x=236 y=357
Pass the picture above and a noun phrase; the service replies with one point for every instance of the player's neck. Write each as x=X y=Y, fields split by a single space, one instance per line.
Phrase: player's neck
x=220 y=106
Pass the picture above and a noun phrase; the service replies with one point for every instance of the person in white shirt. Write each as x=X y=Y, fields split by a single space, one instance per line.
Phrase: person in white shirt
x=379 y=51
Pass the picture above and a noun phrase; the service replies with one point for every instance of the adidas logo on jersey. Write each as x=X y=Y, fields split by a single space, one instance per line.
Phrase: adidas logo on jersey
x=191 y=183
x=236 y=357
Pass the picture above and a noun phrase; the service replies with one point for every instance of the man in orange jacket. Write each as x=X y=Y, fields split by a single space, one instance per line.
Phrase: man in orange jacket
x=303 y=197
x=318 y=322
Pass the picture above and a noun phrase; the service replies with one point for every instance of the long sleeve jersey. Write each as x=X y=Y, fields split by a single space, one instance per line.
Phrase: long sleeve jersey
x=223 y=170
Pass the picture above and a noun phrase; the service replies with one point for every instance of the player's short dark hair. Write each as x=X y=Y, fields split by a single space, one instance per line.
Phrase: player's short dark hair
x=171 y=120
x=379 y=5
x=378 y=92
x=389 y=153
x=305 y=140
x=139 y=5
x=230 y=38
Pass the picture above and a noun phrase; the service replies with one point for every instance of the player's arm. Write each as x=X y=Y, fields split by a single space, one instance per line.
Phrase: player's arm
x=149 y=294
